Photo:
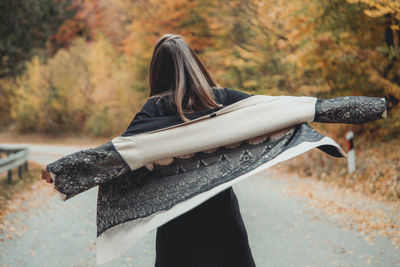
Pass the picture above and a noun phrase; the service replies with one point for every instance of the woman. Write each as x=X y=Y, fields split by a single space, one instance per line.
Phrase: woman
x=213 y=234
x=134 y=199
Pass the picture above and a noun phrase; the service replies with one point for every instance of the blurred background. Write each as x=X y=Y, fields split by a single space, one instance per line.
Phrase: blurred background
x=75 y=71
x=79 y=67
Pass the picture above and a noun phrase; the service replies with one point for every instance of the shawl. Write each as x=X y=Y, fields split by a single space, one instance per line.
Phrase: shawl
x=161 y=167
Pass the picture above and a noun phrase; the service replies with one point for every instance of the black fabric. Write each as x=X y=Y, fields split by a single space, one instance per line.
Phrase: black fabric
x=155 y=107
x=212 y=234
x=350 y=109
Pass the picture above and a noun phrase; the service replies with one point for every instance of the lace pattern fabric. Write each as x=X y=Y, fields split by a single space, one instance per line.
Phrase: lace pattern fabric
x=350 y=109
x=142 y=192
x=87 y=168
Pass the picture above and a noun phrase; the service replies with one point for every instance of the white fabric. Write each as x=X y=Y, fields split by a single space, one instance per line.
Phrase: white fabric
x=115 y=241
x=248 y=118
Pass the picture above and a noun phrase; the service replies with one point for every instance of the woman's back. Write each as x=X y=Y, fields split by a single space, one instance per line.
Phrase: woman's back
x=160 y=106
x=212 y=234
x=182 y=89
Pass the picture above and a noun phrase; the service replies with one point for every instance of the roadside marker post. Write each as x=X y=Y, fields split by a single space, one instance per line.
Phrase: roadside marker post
x=351 y=156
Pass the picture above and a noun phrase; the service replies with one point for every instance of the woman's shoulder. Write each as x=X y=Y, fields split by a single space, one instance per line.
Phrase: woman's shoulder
x=160 y=105
x=229 y=96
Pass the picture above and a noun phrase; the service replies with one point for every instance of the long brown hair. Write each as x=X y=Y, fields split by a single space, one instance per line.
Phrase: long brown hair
x=176 y=71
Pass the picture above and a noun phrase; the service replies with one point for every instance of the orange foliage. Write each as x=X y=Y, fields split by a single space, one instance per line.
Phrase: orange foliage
x=93 y=17
x=151 y=19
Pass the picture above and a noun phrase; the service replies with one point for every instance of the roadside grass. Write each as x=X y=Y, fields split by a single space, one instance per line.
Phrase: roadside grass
x=62 y=139
x=377 y=172
x=8 y=192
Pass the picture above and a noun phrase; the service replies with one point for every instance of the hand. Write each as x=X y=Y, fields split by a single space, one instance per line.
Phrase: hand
x=46 y=176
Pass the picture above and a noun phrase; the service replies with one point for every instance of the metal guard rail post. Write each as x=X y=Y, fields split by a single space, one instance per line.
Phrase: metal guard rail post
x=16 y=157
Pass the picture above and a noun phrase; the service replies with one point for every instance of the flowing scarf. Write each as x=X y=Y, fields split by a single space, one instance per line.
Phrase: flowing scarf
x=161 y=167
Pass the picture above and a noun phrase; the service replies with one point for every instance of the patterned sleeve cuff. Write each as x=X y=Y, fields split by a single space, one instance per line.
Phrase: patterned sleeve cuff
x=60 y=195
x=350 y=109
x=85 y=169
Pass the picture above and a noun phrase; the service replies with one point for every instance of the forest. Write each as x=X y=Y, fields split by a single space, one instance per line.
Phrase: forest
x=81 y=66
x=74 y=73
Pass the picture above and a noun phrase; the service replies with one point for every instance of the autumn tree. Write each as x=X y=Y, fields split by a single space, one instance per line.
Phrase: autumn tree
x=322 y=48
x=94 y=17
x=25 y=26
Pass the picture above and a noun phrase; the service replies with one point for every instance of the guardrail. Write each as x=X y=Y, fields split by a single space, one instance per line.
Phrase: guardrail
x=14 y=157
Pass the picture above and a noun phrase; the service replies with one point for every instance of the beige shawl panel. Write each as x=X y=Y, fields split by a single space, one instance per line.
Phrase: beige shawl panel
x=249 y=118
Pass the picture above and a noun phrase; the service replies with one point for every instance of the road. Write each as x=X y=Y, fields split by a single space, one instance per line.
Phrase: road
x=290 y=222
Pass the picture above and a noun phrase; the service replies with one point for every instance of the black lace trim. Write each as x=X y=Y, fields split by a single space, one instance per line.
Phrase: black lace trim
x=141 y=192
x=87 y=168
x=350 y=109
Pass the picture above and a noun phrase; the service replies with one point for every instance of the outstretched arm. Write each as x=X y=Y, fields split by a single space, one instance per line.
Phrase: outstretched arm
x=350 y=109
x=85 y=169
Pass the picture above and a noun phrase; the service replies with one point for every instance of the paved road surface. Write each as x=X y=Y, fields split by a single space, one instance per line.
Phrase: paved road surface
x=285 y=227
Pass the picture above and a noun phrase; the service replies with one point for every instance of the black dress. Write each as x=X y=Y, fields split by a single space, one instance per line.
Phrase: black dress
x=212 y=234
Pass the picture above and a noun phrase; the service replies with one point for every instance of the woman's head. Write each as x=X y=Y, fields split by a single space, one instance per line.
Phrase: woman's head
x=176 y=70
